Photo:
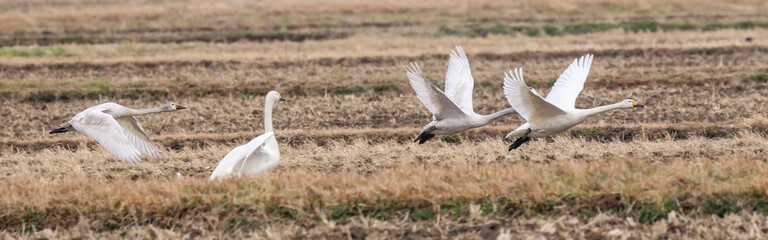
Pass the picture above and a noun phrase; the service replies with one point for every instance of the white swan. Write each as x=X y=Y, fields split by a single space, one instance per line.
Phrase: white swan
x=260 y=154
x=556 y=113
x=116 y=129
x=452 y=111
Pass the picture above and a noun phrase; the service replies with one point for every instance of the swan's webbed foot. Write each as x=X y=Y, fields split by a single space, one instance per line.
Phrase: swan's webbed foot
x=425 y=136
x=520 y=140
x=59 y=130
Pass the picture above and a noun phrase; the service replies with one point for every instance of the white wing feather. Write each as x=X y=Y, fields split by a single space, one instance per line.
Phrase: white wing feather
x=434 y=99
x=107 y=132
x=527 y=103
x=459 y=81
x=570 y=83
x=243 y=157
x=135 y=133
x=258 y=161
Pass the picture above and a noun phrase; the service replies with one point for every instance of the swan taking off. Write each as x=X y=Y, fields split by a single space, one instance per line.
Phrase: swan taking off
x=556 y=113
x=258 y=155
x=452 y=111
x=116 y=129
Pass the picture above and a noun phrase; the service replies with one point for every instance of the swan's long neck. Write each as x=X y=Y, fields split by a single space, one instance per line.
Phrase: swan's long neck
x=268 y=115
x=271 y=143
x=600 y=109
x=493 y=116
x=137 y=112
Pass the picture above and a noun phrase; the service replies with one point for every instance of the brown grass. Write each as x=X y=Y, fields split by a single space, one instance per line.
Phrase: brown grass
x=692 y=164
x=91 y=185
x=168 y=15
x=378 y=46
x=743 y=225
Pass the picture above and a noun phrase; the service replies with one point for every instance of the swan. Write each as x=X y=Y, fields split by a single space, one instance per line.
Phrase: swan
x=556 y=113
x=259 y=154
x=452 y=110
x=116 y=129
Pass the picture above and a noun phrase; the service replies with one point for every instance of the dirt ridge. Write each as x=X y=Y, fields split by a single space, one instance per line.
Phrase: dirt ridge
x=321 y=137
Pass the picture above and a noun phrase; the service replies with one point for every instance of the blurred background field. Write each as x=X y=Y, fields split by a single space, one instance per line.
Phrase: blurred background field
x=691 y=164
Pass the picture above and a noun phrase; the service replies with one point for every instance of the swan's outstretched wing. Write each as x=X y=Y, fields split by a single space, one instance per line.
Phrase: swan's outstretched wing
x=107 y=132
x=527 y=103
x=243 y=158
x=135 y=133
x=570 y=83
x=458 y=80
x=261 y=159
x=437 y=103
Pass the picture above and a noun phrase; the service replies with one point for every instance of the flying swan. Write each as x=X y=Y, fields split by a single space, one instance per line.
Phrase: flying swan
x=260 y=154
x=556 y=113
x=117 y=130
x=452 y=111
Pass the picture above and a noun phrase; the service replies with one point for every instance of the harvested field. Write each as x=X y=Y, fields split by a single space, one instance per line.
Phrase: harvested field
x=692 y=164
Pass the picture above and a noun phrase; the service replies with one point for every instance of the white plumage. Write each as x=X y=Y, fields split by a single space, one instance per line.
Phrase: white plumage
x=258 y=155
x=452 y=110
x=557 y=112
x=116 y=129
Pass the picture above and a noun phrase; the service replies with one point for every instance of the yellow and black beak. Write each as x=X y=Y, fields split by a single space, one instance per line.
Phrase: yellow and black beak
x=280 y=98
x=637 y=105
x=179 y=107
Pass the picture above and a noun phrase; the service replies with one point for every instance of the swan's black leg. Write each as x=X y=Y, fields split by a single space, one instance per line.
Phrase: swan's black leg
x=425 y=136
x=520 y=140
x=59 y=130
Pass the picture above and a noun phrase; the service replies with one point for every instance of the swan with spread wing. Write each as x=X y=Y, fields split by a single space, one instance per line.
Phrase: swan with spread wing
x=557 y=112
x=452 y=110
x=116 y=129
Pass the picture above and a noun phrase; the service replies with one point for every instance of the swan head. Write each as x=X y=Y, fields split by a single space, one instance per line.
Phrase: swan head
x=629 y=103
x=172 y=106
x=275 y=96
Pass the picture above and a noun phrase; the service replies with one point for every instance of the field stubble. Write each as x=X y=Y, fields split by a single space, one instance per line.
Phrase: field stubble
x=691 y=164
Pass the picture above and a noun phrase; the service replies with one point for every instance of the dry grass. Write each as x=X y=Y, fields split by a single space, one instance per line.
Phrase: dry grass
x=690 y=165
x=370 y=153
x=744 y=225
x=377 y=46
x=572 y=173
x=723 y=105
x=169 y=15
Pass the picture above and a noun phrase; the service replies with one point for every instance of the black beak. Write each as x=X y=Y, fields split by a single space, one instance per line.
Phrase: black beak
x=282 y=99
x=639 y=105
x=58 y=130
x=180 y=107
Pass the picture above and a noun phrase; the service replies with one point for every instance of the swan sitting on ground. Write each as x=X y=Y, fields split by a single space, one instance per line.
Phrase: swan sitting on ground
x=556 y=113
x=452 y=111
x=258 y=155
x=117 y=130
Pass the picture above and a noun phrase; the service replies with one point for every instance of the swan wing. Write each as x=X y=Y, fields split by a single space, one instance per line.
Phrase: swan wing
x=434 y=99
x=135 y=133
x=107 y=132
x=459 y=81
x=570 y=83
x=527 y=103
x=260 y=159
x=236 y=159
